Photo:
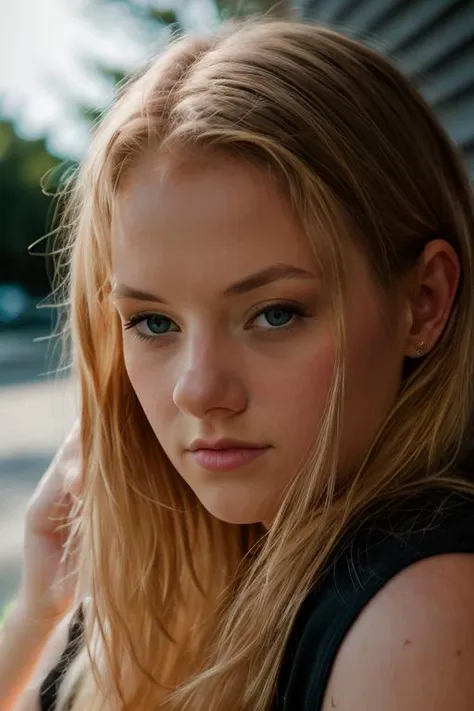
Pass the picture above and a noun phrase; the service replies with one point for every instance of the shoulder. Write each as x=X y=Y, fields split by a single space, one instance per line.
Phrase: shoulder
x=412 y=646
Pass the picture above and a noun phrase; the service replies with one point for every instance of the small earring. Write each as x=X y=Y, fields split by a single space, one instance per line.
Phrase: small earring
x=419 y=349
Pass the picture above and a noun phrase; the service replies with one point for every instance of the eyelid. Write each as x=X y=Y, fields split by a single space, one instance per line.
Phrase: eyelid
x=139 y=316
x=296 y=306
x=134 y=321
x=298 y=314
x=135 y=318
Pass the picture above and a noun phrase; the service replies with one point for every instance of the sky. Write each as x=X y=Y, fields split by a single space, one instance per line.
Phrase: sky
x=46 y=47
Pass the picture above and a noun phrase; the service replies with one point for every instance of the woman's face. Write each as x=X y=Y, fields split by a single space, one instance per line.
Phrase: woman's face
x=227 y=332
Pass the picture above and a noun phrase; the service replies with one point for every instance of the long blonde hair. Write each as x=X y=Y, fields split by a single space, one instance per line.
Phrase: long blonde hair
x=178 y=601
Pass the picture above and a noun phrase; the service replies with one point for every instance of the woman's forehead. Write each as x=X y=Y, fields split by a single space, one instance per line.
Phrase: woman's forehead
x=222 y=213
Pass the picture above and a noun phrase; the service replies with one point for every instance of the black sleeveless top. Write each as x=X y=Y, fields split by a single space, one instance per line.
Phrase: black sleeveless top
x=394 y=537
x=50 y=687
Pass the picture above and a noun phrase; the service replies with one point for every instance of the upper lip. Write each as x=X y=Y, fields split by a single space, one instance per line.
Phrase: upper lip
x=223 y=444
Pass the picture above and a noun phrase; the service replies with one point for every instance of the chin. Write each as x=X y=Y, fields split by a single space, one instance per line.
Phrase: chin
x=233 y=516
x=232 y=512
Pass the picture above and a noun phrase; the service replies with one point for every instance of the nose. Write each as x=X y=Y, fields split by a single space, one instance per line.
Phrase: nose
x=209 y=383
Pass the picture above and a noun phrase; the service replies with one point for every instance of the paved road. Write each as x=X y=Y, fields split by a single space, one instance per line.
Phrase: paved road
x=36 y=412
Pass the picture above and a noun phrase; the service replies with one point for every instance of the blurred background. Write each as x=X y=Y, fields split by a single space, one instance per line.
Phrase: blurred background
x=59 y=63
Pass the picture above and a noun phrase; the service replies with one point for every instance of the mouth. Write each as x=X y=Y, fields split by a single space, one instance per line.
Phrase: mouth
x=225 y=455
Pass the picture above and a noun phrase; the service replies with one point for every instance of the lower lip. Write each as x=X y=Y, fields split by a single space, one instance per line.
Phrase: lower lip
x=224 y=460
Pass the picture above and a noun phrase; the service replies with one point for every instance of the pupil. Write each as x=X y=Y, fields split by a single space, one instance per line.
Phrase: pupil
x=278 y=317
x=157 y=324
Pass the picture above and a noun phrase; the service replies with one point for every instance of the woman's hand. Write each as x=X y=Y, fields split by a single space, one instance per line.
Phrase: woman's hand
x=49 y=568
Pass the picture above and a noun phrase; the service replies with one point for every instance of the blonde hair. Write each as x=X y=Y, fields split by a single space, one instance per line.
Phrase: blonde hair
x=179 y=601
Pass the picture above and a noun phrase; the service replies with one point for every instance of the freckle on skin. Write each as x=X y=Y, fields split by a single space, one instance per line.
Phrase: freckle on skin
x=458 y=652
x=406 y=642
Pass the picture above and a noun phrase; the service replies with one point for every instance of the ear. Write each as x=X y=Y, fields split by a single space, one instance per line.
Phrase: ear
x=433 y=286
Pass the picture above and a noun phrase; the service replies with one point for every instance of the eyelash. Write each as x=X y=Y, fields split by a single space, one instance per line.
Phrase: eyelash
x=298 y=311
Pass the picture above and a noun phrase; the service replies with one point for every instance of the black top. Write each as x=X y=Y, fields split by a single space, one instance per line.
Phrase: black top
x=50 y=686
x=432 y=524
x=392 y=539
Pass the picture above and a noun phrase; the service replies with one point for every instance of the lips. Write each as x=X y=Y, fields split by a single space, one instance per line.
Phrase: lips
x=225 y=454
x=222 y=444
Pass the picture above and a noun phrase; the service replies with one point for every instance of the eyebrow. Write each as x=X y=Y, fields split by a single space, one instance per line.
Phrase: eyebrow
x=269 y=275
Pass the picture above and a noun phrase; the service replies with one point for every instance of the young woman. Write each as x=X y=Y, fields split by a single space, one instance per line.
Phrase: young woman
x=271 y=269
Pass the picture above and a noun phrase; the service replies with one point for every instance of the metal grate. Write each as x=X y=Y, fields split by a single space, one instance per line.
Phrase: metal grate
x=431 y=40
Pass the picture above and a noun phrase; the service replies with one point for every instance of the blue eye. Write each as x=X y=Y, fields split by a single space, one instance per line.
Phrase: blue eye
x=149 y=325
x=278 y=316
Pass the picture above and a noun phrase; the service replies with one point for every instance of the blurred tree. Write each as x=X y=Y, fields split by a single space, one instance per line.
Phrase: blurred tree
x=24 y=208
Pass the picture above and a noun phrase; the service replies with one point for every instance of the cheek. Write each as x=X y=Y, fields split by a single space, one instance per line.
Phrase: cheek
x=150 y=384
x=374 y=358
x=372 y=383
x=373 y=380
x=295 y=391
x=137 y=374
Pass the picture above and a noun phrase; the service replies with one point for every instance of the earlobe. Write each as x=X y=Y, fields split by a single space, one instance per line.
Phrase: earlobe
x=420 y=349
x=414 y=349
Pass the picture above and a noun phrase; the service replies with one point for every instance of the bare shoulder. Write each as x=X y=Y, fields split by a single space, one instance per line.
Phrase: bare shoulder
x=412 y=647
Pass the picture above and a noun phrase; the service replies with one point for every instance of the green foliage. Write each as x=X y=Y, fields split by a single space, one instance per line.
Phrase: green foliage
x=149 y=20
x=24 y=207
